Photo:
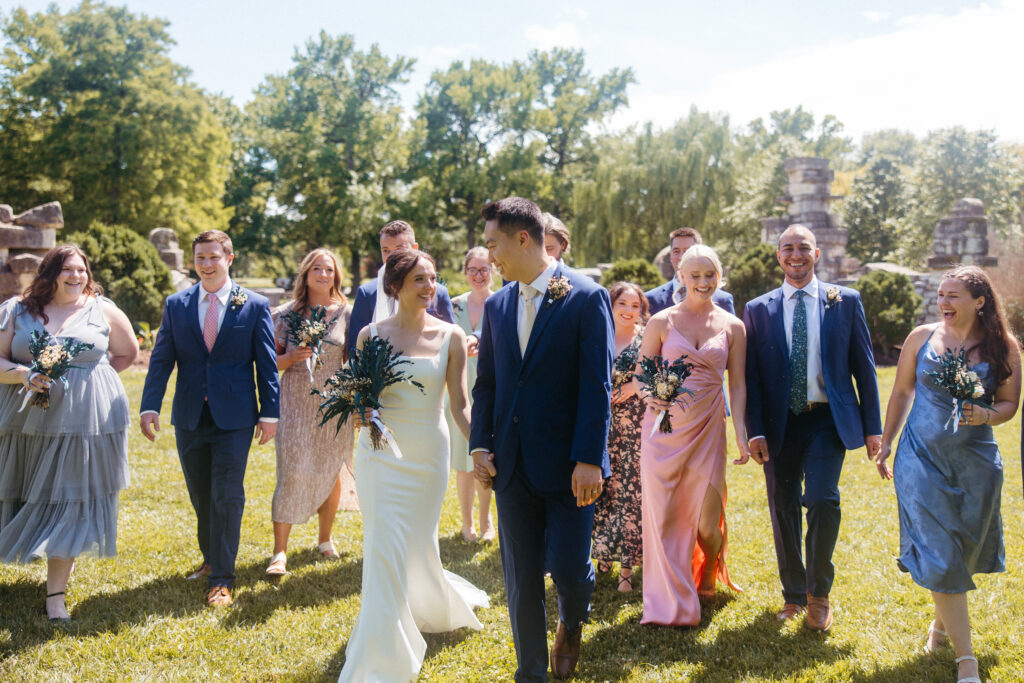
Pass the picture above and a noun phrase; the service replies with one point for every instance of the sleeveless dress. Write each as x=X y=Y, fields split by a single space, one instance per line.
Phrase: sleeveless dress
x=310 y=457
x=61 y=469
x=461 y=459
x=676 y=471
x=948 y=489
x=405 y=590
x=617 y=515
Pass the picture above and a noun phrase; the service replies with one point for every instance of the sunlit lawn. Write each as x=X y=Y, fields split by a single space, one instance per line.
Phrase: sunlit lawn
x=135 y=617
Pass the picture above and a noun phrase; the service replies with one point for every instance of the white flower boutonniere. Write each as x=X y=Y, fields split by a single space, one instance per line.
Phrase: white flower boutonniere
x=558 y=287
x=238 y=298
x=832 y=297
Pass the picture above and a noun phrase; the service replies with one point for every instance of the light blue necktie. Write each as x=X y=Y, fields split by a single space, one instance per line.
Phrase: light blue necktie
x=798 y=357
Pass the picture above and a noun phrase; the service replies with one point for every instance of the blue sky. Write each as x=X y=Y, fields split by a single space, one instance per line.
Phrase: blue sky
x=911 y=64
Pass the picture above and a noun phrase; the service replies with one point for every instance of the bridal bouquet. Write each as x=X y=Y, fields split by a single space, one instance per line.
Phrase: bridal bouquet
x=311 y=332
x=625 y=366
x=358 y=385
x=51 y=357
x=962 y=383
x=664 y=380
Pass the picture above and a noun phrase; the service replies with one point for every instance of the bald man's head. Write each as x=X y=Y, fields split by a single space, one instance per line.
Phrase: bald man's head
x=798 y=252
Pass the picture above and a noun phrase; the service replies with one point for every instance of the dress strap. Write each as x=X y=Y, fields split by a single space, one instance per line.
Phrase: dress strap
x=373 y=329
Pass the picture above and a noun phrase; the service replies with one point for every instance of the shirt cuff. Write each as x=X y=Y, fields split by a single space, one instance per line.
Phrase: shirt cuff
x=749 y=439
x=149 y=412
x=478 y=450
x=269 y=420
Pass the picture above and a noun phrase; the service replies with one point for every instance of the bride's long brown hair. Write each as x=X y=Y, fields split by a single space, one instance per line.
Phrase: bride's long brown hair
x=997 y=343
x=40 y=292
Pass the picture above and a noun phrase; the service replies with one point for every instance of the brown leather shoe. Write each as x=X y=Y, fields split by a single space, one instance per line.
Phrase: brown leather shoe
x=566 y=650
x=819 y=614
x=790 y=610
x=199 y=572
x=218 y=596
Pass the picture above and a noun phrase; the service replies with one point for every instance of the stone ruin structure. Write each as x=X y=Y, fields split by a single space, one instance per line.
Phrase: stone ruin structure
x=24 y=240
x=166 y=242
x=809 y=198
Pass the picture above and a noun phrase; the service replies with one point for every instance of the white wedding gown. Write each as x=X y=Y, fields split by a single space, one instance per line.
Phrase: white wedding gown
x=405 y=589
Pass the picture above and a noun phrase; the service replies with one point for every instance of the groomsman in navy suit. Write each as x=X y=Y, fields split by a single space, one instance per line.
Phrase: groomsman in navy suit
x=217 y=334
x=807 y=342
x=366 y=308
x=541 y=411
x=673 y=291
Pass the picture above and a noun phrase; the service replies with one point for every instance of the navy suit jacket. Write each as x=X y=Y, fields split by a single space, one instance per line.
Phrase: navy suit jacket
x=660 y=298
x=551 y=408
x=846 y=357
x=223 y=376
x=366 y=301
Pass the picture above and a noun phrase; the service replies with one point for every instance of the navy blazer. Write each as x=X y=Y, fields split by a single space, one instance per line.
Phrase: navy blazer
x=222 y=377
x=366 y=301
x=660 y=298
x=551 y=408
x=846 y=357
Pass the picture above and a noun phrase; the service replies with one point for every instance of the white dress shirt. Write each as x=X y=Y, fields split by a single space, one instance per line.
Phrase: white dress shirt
x=541 y=285
x=678 y=289
x=815 y=375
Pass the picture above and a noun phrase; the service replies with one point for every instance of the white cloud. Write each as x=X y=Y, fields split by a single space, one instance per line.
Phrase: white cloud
x=562 y=34
x=874 y=16
x=933 y=73
x=441 y=56
x=576 y=12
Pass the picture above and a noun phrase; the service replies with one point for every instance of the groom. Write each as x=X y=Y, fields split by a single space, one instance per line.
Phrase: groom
x=539 y=430
x=807 y=342
x=217 y=334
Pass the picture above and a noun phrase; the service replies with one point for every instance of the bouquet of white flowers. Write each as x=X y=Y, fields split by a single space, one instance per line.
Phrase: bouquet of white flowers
x=962 y=383
x=664 y=380
x=51 y=357
x=310 y=332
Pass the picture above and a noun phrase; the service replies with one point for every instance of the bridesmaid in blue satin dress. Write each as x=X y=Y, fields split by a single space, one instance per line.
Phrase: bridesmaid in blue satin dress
x=948 y=483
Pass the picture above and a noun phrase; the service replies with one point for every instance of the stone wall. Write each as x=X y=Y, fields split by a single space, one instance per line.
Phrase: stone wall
x=24 y=240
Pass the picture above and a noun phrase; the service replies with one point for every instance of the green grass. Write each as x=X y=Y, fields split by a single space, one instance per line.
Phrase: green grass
x=137 y=618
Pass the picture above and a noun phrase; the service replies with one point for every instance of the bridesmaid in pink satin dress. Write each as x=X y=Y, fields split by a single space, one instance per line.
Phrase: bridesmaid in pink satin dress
x=682 y=473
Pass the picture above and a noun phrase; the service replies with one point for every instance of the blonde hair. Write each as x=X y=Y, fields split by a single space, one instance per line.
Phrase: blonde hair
x=300 y=291
x=702 y=251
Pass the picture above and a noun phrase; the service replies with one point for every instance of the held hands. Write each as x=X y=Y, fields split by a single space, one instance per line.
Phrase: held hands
x=483 y=468
x=150 y=424
x=265 y=431
x=873 y=444
x=587 y=483
x=472 y=346
x=880 y=457
x=759 y=449
x=744 y=449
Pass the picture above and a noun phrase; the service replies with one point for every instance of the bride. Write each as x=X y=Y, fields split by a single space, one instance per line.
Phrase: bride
x=405 y=589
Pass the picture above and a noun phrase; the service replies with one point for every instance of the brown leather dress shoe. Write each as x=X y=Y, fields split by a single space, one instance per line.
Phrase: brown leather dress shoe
x=819 y=614
x=566 y=650
x=199 y=572
x=218 y=596
x=790 y=610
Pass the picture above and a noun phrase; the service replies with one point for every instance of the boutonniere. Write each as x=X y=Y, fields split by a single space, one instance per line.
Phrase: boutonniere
x=558 y=287
x=832 y=297
x=238 y=298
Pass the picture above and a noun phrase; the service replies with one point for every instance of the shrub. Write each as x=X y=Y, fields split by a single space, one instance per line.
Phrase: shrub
x=755 y=272
x=129 y=268
x=891 y=306
x=637 y=271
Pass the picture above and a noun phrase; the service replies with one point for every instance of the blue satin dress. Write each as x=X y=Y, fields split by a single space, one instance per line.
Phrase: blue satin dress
x=948 y=487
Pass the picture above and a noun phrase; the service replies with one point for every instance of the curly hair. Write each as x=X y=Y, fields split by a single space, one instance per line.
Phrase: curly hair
x=40 y=292
x=997 y=342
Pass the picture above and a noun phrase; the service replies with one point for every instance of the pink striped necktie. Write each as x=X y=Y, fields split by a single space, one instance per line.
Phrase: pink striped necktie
x=210 y=323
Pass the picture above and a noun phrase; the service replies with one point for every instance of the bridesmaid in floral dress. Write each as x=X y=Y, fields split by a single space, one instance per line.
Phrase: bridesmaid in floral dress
x=682 y=473
x=314 y=464
x=617 y=535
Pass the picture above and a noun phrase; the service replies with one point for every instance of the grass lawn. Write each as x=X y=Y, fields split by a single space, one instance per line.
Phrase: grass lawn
x=135 y=617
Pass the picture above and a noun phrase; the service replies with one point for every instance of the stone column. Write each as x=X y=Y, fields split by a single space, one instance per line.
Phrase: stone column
x=24 y=240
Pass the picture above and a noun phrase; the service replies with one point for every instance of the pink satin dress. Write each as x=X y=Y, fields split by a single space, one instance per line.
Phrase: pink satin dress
x=676 y=472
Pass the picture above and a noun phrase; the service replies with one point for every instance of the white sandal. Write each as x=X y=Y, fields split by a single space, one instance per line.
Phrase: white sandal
x=969 y=679
x=278 y=565
x=928 y=649
x=327 y=549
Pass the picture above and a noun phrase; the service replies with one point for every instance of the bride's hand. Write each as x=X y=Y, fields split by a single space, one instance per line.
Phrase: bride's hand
x=357 y=419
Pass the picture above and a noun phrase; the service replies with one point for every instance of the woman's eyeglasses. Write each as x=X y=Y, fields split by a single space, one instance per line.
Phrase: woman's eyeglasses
x=478 y=271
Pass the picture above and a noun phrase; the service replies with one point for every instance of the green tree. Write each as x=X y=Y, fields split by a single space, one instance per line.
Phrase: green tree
x=754 y=273
x=890 y=306
x=637 y=270
x=129 y=269
x=898 y=145
x=874 y=211
x=332 y=130
x=96 y=115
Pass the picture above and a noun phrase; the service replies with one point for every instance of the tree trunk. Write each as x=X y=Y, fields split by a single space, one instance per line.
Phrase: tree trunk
x=354 y=265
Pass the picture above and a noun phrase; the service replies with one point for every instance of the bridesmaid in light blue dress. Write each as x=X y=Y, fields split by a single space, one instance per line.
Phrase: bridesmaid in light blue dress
x=948 y=482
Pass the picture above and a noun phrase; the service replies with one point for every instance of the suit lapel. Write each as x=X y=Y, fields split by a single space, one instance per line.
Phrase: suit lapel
x=230 y=316
x=547 y=307
x=192 y=313
x=511 y=321
x=824 y=318
x=778 y=320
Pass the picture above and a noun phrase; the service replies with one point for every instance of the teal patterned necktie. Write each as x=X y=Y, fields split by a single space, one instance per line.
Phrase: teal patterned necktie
x=798 y=357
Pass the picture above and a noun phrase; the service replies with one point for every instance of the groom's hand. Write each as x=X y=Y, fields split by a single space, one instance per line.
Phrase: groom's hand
x=483 y=468
x=265 y=431
x=587 y=483
x=150 y=423
x=759 y=449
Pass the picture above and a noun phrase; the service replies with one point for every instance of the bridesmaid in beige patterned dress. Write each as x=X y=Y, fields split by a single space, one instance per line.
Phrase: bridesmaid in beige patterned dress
x=314 y=465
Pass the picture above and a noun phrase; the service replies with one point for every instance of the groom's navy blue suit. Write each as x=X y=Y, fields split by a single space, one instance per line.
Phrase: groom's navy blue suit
x=811 y=446
x=540 y=413
x=215 y=410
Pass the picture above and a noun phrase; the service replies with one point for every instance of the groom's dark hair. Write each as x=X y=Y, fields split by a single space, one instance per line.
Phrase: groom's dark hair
x=514 y=214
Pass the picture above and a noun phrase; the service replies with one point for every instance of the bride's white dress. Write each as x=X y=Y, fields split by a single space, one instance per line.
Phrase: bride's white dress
x=405 y=589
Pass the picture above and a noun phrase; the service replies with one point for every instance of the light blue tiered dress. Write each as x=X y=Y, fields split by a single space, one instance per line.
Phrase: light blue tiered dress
x=61 y=469
x=948 y=487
